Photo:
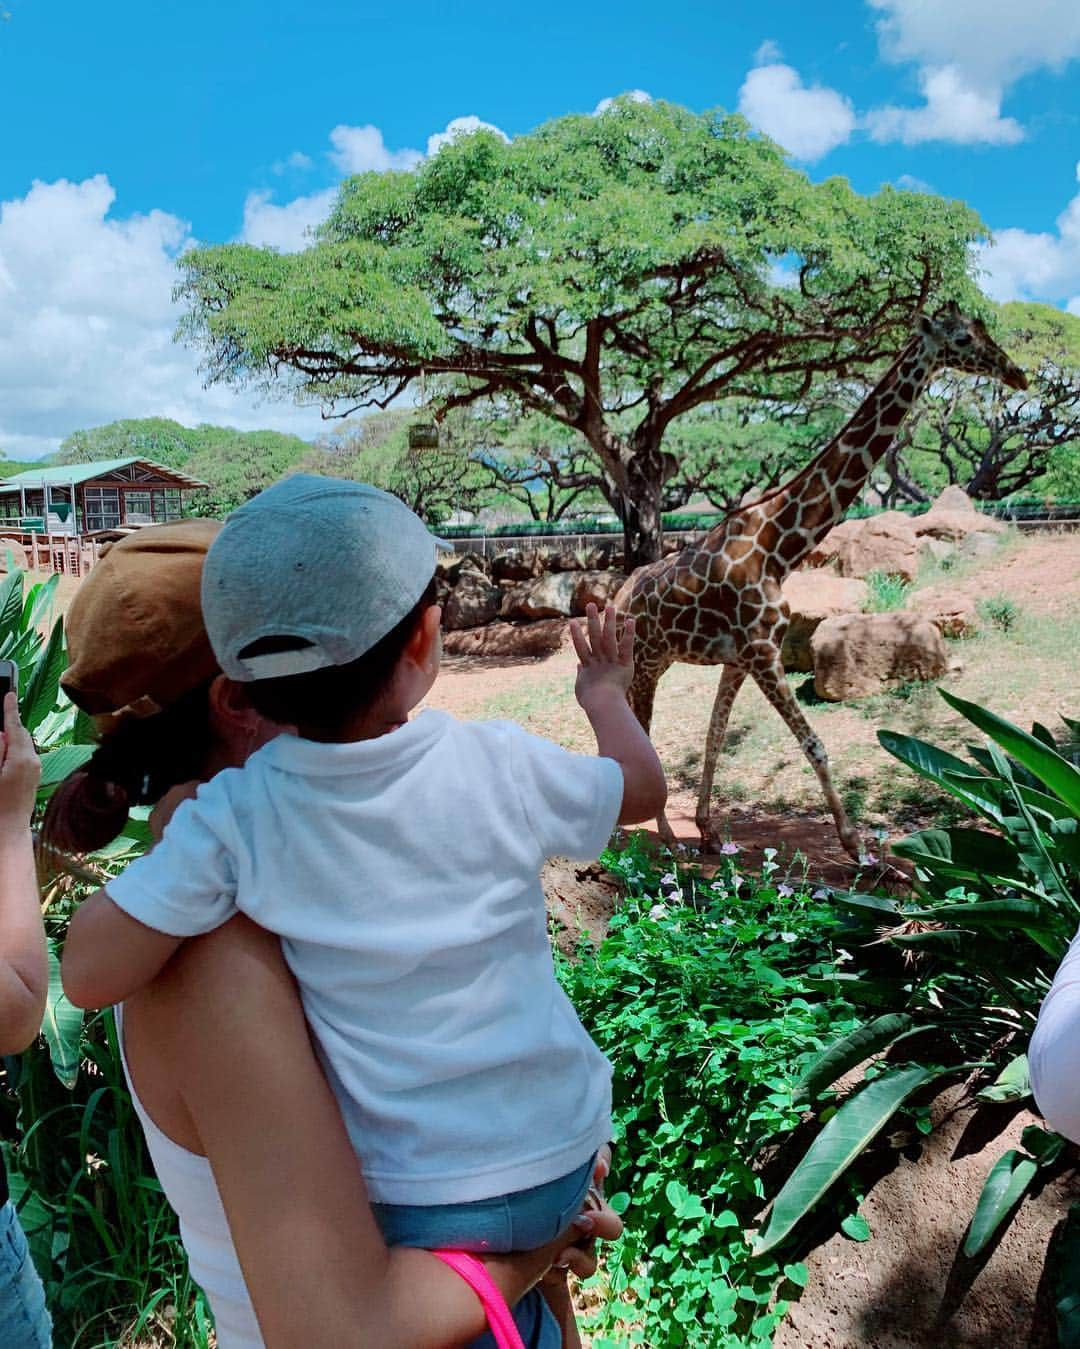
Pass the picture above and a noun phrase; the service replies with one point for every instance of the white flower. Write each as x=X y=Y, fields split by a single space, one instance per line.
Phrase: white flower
x=729 y=849
x=822 y=892
x=789 y=936
x=728 y=922
x=785 y=891
x=658 y=911
x=669 y=879
x=770 y=853
x=842 y=956
x=867 y=859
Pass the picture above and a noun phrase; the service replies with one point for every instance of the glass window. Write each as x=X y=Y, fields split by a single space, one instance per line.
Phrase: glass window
x=101 y=507
x=137 y=508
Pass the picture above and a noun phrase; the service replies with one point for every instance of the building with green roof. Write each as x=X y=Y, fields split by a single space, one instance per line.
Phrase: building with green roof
x=80 y=500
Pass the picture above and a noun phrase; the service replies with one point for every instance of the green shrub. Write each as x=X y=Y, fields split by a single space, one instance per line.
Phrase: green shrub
x=999 y=611
x=707 y=996
x=885 y=592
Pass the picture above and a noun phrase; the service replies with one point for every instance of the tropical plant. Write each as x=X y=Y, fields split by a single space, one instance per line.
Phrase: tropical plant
x=100 y=1231
x=991 y=915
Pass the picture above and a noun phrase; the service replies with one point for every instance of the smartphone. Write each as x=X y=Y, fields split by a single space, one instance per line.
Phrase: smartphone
x=9 y=679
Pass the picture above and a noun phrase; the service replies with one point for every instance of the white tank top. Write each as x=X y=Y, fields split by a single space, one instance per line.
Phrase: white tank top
x=192 y=1192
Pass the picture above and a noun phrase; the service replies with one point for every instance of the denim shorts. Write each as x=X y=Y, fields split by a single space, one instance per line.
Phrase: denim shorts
x=509 y=1222
x=536 y=1325
x=24 y=1322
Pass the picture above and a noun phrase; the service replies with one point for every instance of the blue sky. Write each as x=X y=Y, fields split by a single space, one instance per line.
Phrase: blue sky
x=134 y=129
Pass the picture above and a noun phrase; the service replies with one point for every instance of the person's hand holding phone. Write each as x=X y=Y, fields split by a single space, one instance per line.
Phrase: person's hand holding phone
x=20 y=770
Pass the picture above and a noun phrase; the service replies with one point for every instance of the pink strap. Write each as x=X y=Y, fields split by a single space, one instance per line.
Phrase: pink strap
x=483 y=1285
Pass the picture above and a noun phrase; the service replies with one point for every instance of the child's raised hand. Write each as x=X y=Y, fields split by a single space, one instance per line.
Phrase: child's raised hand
x=605 y=653
x=20 y=770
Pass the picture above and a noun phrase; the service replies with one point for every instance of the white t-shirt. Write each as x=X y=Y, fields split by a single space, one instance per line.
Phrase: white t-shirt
x=1054 y=1052
x=402 y=875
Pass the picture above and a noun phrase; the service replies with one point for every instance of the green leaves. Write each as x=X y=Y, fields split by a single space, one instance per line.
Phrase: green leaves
x=849 y=1051
x=857 y=1121
x=62 y=1026
x=1013 y=1083
x=1003 y=1189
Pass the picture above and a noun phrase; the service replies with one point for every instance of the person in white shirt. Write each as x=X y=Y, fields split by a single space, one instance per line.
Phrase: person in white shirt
x=398 y=860
x=1054 y=1051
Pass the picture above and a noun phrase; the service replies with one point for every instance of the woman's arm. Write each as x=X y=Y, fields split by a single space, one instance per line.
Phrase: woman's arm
x=227 y=1015
x=24 y=969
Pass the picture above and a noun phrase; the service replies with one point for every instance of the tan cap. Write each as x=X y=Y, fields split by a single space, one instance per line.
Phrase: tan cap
x=135 y=634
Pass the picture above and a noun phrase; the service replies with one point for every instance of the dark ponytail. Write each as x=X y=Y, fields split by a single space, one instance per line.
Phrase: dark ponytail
x=135 y=764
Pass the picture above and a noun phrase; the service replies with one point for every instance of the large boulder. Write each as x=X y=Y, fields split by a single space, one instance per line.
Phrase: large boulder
x=509 y=641
x=548 y=596
x=824 y=552
x=473 y=602
x=515 y=564
x=954 y=616
x=450 y=568
x=953 y=517
x=595 y=587
x=564 y=559
x=813 y=596
x=856 y=655
x=885 y=543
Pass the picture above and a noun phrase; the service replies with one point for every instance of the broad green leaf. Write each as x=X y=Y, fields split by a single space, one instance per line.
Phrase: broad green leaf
x=62 y=1026
x=857 y=1121
x=44 y=686
x=876 y=906
x=1045 y=1146
x=11 y=599
x=960 y=852
x=850 y=1050
x=1013 y=1083
x=57 y=763
x=937 y=765
x=1046 y=763
x=40 y=600
x=1009 y=1177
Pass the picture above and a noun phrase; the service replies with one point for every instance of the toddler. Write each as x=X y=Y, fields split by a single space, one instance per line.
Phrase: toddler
x=398 y=860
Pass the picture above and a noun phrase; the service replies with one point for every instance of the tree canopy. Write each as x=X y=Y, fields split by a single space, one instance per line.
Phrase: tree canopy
x=610 y=272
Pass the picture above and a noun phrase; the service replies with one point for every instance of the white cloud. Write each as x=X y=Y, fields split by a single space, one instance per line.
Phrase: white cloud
x=969 y=52
x=808 y=121
x=634 y=95
x=991 y=42
x=1022 y=265
x=953 y=111
x=768 y=53
x=287 y=227
x=297 y=162
x=907 y=182
x=361 y=149
x=88 y=323
x=461 y=126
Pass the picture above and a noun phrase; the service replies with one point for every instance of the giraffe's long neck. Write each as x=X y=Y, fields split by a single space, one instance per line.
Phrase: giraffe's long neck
x=800 y=514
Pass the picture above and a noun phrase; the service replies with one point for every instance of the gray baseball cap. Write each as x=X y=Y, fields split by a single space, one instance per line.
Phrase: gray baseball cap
x=331 y=564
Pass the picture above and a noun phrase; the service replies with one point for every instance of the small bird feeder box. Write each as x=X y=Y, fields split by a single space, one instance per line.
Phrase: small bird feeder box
x=423 y=436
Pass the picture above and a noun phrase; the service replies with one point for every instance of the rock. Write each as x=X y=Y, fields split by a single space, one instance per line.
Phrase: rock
x=953 y=517
x=509 y=641
x=595 y=587
x=564 y=560
x=856 y=655
x=954 y=617
x=980 y=543
x=515 y=565
x=18 y=555
x=885 y=543
x=452 y=569
x=545 y=597
x=935 y=549
x=824 y=552
x=473 y=602
x=813 y=596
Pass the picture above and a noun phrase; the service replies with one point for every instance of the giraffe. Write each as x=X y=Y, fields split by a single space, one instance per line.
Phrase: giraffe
x=719 y=602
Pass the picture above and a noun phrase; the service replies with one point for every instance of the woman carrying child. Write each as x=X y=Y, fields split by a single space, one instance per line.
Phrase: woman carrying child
x=587 y=805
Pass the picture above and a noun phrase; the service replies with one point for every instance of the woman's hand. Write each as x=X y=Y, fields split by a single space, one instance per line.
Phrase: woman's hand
x=20 y=770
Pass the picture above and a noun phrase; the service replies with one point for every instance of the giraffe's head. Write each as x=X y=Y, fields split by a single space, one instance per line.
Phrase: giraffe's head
x=962 y=343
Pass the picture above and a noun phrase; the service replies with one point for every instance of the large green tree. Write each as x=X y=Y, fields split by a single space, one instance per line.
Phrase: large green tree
x=611 y=272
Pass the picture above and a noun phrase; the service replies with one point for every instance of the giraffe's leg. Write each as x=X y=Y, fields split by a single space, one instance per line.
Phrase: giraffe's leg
x=642 y=695
x=768 y=674
x=731 y=681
